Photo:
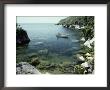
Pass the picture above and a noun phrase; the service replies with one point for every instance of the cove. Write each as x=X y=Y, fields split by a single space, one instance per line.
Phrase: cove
x=46 y=45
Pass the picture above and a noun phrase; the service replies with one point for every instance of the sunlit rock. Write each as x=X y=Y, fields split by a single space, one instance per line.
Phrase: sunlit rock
x=80 y=57
x=88 y=54
x=85 y=64
x=82 y=39
x=89 y=42
x=26 y=68
x=90 y=58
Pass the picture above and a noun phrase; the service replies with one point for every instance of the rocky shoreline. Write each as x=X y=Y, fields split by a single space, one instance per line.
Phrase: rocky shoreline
x=86 y=54
x=36 y=63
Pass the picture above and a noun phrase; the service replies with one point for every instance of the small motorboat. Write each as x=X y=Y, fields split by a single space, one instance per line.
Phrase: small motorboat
x=59 y=35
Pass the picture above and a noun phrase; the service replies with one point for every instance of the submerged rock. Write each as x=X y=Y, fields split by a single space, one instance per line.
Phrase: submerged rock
x=43 y=52
x=39 y=43
x=26 y=68
x=74 y=41
x=35 y=61
x=32 y=55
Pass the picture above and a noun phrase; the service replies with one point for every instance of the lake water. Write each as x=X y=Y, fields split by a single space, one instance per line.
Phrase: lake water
x=43 y=37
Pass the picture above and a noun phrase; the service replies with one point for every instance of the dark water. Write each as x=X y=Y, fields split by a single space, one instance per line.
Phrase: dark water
x=43 y=36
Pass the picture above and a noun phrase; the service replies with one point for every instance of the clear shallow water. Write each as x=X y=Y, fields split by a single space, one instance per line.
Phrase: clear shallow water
x=43 y=36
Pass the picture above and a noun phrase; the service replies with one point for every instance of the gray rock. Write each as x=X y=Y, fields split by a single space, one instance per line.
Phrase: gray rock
x=26 y=68
x=80 y=57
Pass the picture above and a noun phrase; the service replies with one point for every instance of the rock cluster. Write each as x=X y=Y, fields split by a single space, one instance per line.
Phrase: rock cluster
x=84 y=25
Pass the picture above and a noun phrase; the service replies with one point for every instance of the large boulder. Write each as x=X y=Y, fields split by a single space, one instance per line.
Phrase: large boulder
x=26 y=68
x=21 y=37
